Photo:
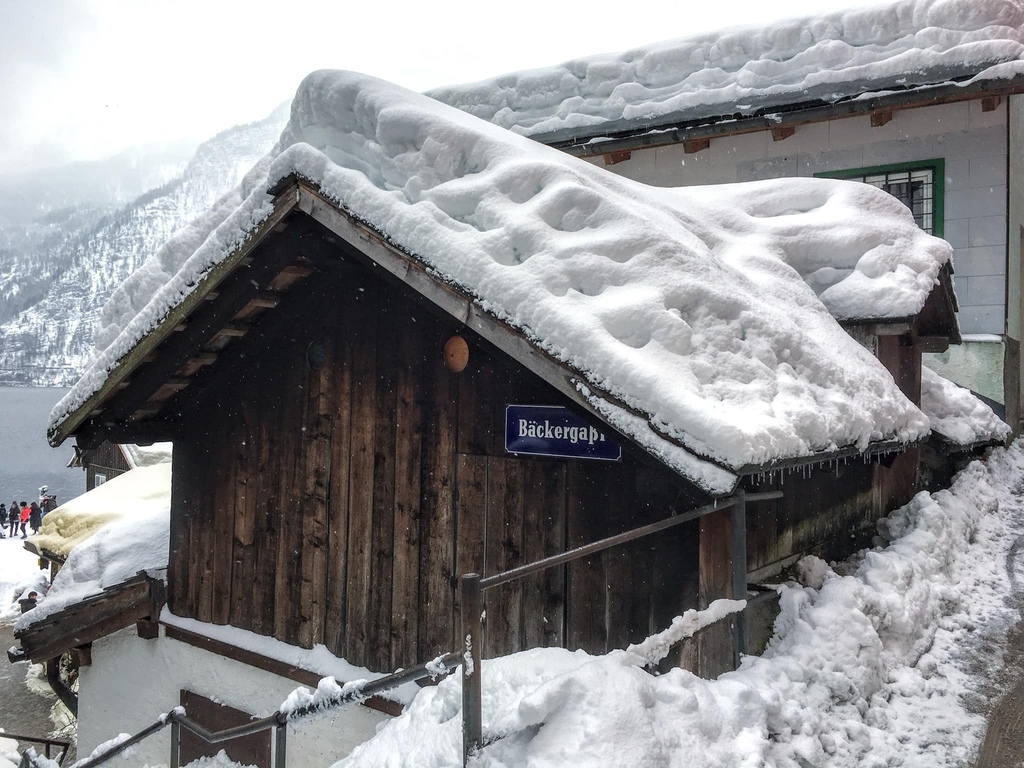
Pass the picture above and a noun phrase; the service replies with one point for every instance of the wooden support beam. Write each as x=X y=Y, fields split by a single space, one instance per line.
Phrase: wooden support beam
x=991 y=103
x=692 y=146
x=880 y=118
x=148 y=629
x=614 y=158
x=83 y=655
x=782 y=132
x=289 y=275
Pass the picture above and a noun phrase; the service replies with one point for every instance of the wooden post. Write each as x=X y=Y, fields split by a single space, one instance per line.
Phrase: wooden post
x=175 y=744
x=739 y=573
x=472 y=727
x=280 y=745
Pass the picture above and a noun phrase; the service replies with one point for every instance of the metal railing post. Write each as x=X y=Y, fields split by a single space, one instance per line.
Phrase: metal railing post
x=175 y=744
x=280 y=745
x=472 y=607
x=739 y=573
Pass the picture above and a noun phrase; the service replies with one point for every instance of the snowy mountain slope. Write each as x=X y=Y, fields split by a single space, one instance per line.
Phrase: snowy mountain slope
x=65 y=271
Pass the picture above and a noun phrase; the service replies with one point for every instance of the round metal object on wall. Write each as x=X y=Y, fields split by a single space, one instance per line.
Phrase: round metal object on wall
x=456 y=354
x=316 y=356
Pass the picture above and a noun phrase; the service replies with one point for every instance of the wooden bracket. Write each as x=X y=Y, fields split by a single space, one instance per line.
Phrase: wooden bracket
x=83 y=655
x=692 y=146
x=148 y=629
x=782 y=132
x=621 y=156
x=880 y=118
x=990 y=103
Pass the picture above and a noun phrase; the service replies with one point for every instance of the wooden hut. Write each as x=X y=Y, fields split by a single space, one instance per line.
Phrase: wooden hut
x=354 y=429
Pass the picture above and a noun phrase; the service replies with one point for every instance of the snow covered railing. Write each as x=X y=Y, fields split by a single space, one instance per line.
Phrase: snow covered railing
x=472 y=587
x=329 y=695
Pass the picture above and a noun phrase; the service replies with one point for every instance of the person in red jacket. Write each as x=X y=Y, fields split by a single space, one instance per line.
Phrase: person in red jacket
x=24 y=518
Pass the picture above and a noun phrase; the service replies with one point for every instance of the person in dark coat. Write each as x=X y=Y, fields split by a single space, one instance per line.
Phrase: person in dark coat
x=13 y=518
x=3 y=520
x=35 y=518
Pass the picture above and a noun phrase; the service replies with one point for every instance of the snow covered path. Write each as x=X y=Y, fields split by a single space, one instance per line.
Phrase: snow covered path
x=894 y=658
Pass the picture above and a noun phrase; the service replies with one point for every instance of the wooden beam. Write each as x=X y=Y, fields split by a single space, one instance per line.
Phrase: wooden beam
x=268 y=664
x=288 y=276
x=692 y=146
x=83 y=655
x=880 y=118
x=782 y=132
x=614 y=158
x=991 y=103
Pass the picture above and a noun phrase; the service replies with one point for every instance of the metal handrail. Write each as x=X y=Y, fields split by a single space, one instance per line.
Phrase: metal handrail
x=620 y=538
x=47 y=743
x=177 y=718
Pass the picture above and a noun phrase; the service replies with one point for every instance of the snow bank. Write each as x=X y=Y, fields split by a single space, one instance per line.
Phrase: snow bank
x=19 y=574
x=113 y=554
x=138 y=491
x=956 y=414
x=742 y=70
x=680 y=304
x=869 y=670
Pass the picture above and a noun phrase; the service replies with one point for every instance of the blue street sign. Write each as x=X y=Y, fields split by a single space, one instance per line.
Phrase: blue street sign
x=550 y=430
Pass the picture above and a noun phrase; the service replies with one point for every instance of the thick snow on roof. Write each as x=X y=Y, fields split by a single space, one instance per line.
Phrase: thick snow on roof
x=881 y=664
x=746 y=69
x=681 y=305
x=113 y=554
x=957 y=414
x=135 y=492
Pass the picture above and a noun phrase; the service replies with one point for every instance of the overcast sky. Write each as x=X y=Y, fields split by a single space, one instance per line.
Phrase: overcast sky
x=84 y=79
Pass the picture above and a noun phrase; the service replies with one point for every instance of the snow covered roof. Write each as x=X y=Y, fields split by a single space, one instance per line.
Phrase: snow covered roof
x=748 y=70
x=114 y=535
x=147 y=455
x=136 y=492
x=676 y=311
x=957 y=415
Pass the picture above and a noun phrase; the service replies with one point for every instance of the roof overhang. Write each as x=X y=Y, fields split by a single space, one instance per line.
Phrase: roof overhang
x=623 y=136
x=933 y=329
x=119 y=606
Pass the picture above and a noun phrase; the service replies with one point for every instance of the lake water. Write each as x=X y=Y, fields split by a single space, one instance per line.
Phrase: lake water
x=26 y=459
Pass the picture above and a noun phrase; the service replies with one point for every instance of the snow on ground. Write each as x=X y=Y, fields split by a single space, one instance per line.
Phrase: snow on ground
x=956 y=414
x=136 y=492
x=874 y=668
x=19 y=574
x=744 y=69
x=679 y=303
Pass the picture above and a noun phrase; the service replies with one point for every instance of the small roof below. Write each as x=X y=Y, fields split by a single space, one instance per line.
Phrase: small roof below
x=136 y=492
x=677 y=314
x=745 y=71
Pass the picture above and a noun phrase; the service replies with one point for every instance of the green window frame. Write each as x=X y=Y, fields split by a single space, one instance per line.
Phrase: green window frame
x=909 y=183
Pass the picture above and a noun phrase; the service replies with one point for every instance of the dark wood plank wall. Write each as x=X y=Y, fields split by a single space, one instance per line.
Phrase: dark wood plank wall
x=106 y=459
x=338 y=506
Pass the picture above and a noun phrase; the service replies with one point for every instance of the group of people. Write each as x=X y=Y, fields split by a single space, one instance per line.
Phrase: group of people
x=22 y=515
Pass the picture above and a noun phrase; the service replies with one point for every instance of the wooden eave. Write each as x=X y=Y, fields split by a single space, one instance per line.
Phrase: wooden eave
x=933 y=329
x=675 y=129
x=147 y=349
x=94 y=617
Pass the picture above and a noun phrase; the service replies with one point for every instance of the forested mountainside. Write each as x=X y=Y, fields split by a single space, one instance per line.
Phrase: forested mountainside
x=71 y=236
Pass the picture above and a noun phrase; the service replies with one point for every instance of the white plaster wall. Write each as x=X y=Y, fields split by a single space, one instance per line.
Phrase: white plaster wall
x=131 y=682
x=973 y=144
